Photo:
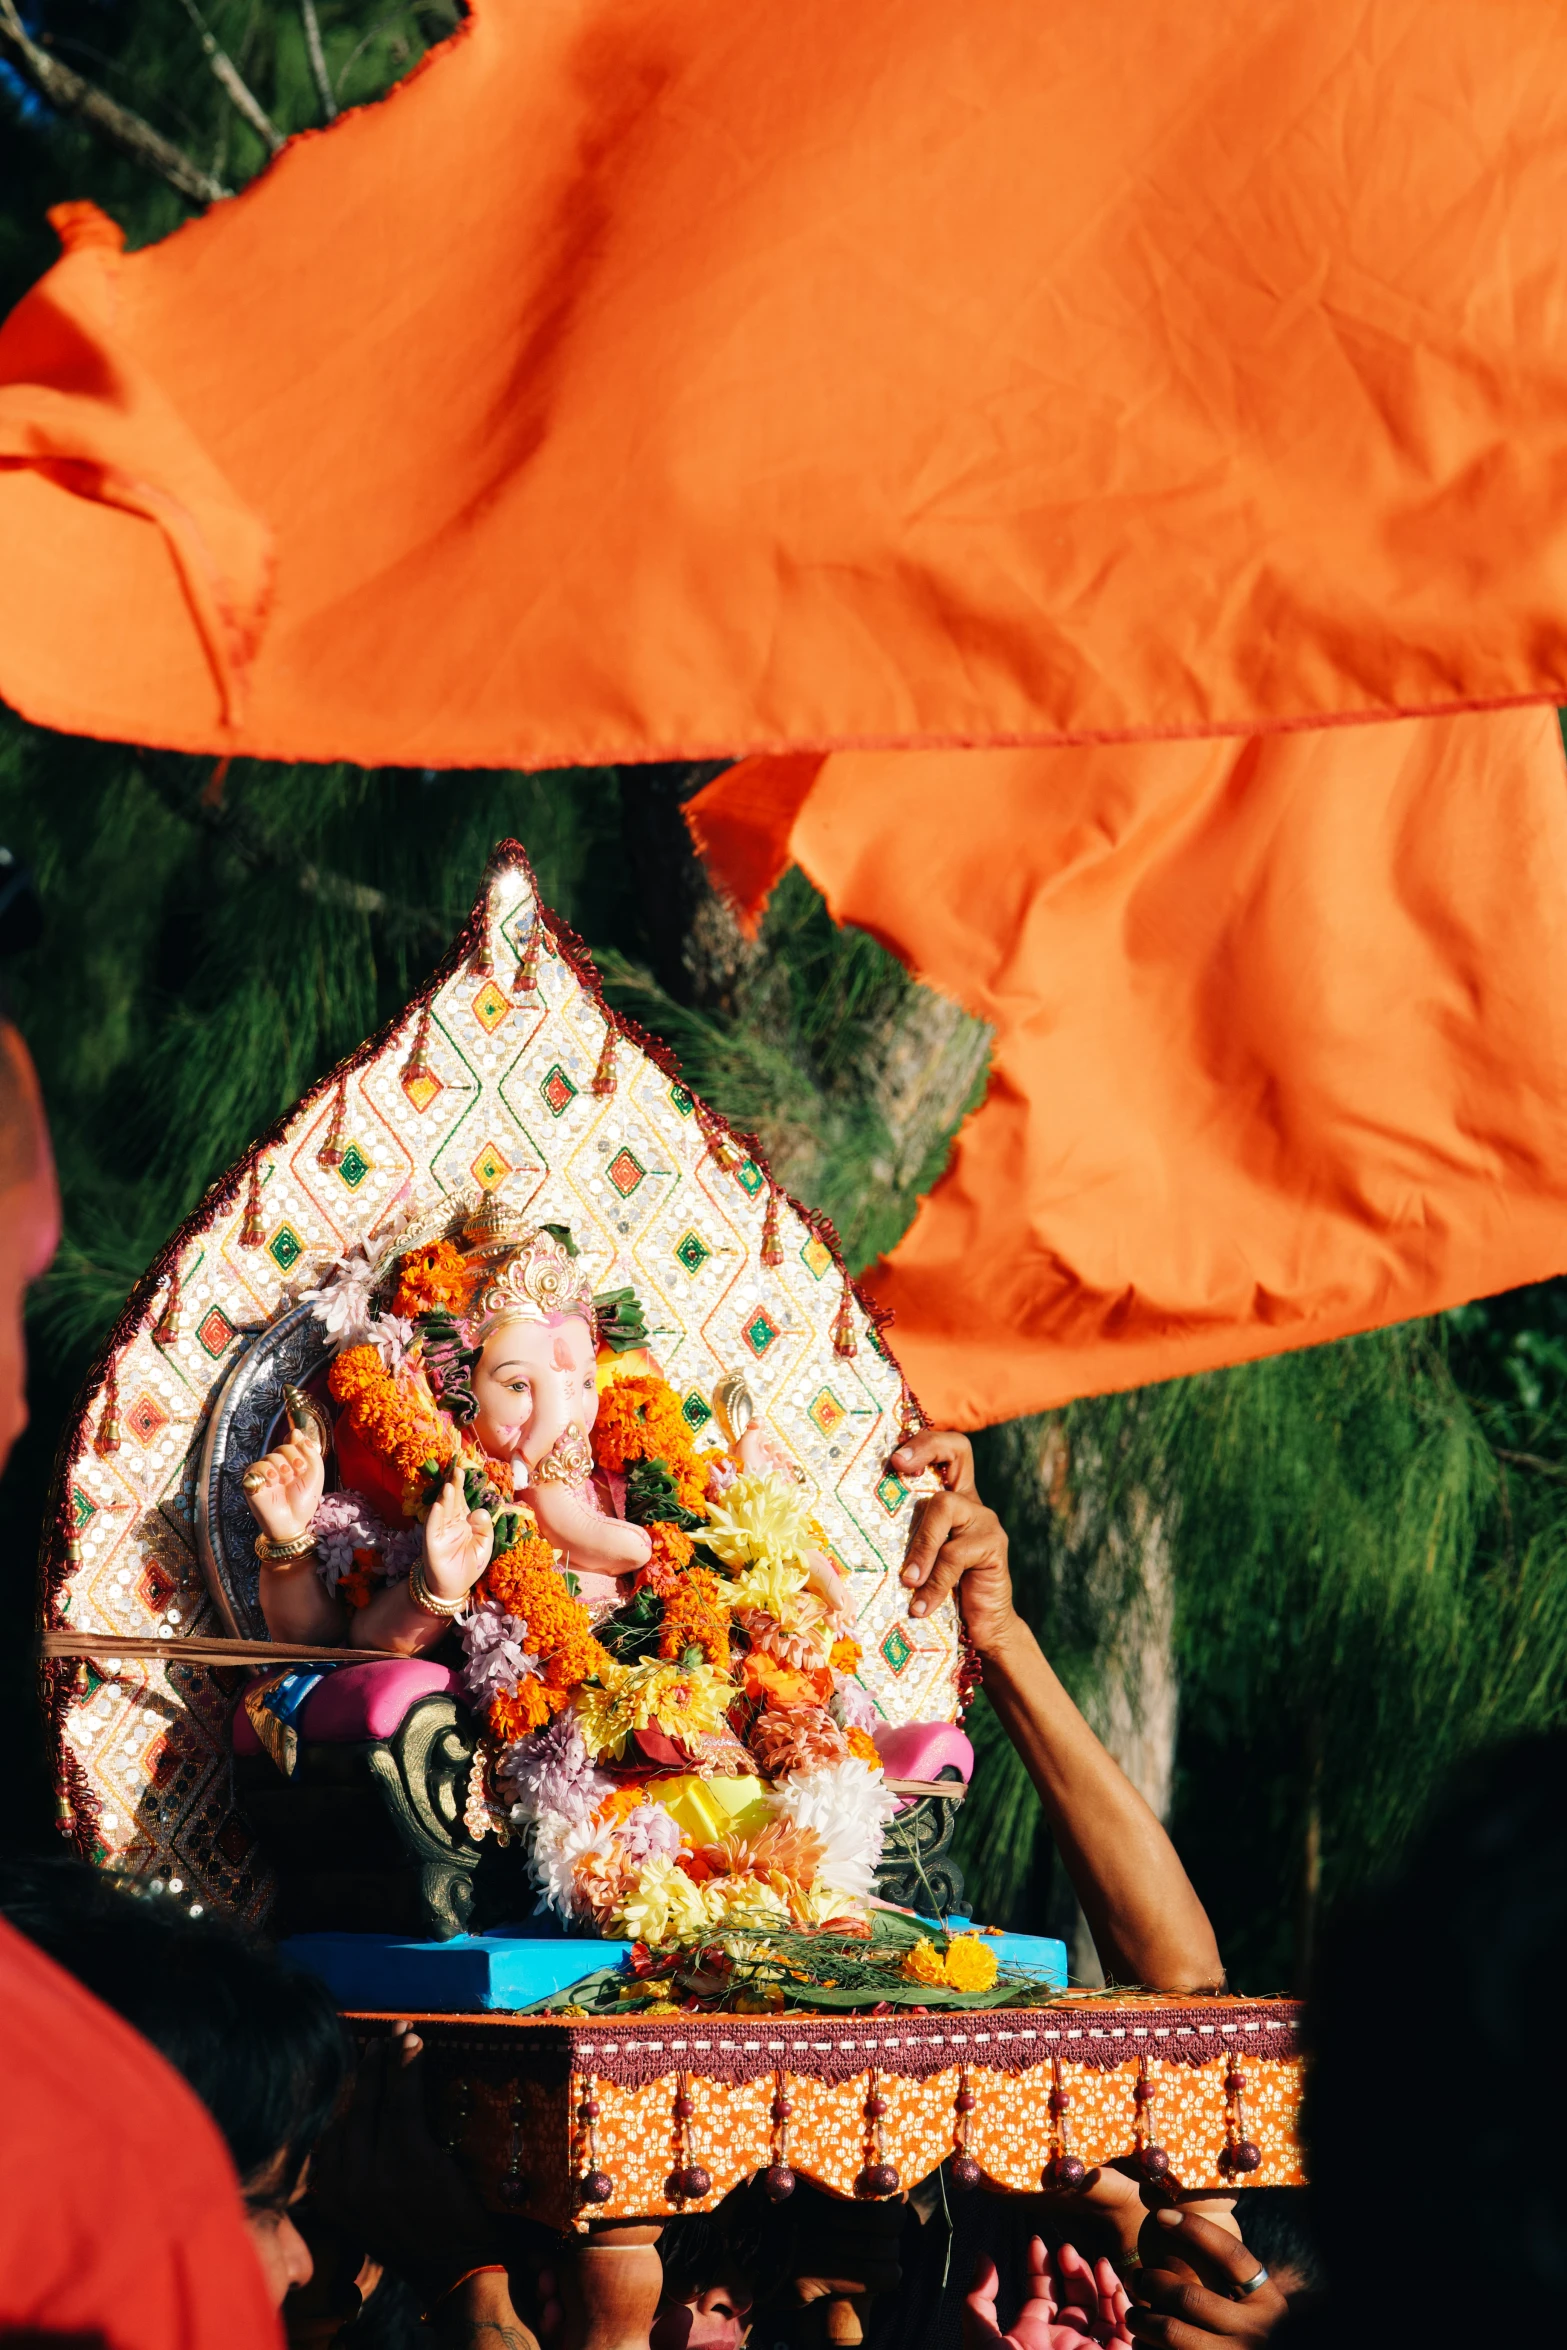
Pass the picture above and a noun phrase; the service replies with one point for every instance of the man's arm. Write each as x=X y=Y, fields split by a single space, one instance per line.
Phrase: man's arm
x=1148 y=1924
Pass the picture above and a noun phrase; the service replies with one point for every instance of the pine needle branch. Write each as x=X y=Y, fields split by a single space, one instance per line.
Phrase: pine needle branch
x=317 y=56
x=233 y=83
x=70 y=93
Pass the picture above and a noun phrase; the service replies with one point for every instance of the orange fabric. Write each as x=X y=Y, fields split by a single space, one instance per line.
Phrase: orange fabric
x=1281 y=1035
x=661 y=376
x=120 y=2221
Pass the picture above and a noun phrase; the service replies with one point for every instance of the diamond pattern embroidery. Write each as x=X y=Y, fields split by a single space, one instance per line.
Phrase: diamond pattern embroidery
x=760 y=1332
x=490 y=1007
x=816 y=1257
x=83 y=1506
x=682 y=1100
x=286 y=1248
x=145 y=1418
x=422 y=1090
x=897 y=1648
x=215 y=1330
x=354 y=1166
x=558 y=1091
x=892 y=1493
x=693 y=1252
x=697 y=1412
x=827 y=1412
x=490 y=1167
x=625 y=1171
x=750 y=1177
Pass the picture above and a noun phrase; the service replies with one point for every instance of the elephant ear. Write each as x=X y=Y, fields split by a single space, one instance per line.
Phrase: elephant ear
x=509 y=1078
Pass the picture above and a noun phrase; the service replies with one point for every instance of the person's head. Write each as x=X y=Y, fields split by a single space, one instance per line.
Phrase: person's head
x=29 y=1220
x=1276 y=2224
x=263 y=2048
x=1432 y=2022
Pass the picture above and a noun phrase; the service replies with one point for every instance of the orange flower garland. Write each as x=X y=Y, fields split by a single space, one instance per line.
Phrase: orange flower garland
x=864 y=1745
x=434 y=1279
x=640 y=1419
x=388 y=1418
x=524 y=1580
x=695 y=1617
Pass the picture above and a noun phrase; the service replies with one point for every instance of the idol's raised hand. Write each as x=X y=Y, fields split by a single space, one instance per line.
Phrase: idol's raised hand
x=957 y=1545
x=284 y=1487
x=457 y=1541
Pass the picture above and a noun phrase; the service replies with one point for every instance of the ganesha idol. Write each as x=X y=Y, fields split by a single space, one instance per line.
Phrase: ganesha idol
x=652 y=1635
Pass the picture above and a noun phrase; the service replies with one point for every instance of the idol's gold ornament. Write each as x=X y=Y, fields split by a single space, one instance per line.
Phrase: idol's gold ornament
x=569 y=1460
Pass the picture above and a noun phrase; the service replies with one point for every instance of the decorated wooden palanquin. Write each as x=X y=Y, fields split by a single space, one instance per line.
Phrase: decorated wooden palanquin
x=507 y=1073
x=1215 y=2074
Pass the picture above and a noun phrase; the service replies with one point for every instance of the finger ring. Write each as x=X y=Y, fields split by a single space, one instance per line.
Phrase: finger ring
x=1249 y=2285
x=254 y=1478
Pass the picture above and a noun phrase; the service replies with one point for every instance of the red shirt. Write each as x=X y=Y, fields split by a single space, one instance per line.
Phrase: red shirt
x=120 y=2218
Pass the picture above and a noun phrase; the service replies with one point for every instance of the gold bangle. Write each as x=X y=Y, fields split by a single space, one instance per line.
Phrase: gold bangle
x=425 y=1599
x=279 y=1554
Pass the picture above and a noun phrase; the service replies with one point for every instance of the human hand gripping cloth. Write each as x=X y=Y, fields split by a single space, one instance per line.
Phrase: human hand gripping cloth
x=1281 y=1046
x=656 y=377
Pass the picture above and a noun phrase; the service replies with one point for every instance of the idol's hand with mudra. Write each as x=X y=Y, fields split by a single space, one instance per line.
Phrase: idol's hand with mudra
x=284 y=1490
x=458 y=1543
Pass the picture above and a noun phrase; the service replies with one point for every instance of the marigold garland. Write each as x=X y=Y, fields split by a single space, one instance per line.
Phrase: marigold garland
x=845 y=1655
x=640 y=1419
x=695 y=1617
x=864 y=1745
x=531 y=1705
x=388 y=1416
x=434 y=1279
x=526 y=1582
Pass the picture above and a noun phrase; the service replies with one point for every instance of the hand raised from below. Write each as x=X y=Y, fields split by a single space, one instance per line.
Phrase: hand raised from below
x=957 y=1544
x=457 y=1541
x=1185 y=2290
x=380 y=2175
x=1069 y=2305
x=284 y=1487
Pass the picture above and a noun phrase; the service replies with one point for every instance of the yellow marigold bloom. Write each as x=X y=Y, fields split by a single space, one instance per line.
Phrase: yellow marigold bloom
x=760 y=1518
x=864 y=1745
x=923 y=1965
x=846 y=1655
x=971 y=1964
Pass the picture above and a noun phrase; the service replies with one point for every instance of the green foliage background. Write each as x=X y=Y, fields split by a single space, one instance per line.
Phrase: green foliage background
x=1366 y=1540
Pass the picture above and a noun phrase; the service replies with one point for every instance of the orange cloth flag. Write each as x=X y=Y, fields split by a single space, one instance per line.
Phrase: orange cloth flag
x=664 y=376
x=1281 y=1033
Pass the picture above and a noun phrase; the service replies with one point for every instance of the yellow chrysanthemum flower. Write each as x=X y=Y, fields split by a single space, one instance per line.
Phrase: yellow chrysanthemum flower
x=760 y=1519
x=971 y=1963
x=923 y=1964
x=774 y=1587
x=689 y=1701
x=662 y=1906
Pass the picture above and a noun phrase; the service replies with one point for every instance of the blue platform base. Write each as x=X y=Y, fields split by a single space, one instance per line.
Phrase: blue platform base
x=511 y=1967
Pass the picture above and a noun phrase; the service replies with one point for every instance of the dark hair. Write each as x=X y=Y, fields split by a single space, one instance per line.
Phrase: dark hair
x=1434 y=2024
x=1276 y=2224
x=263 y=2048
